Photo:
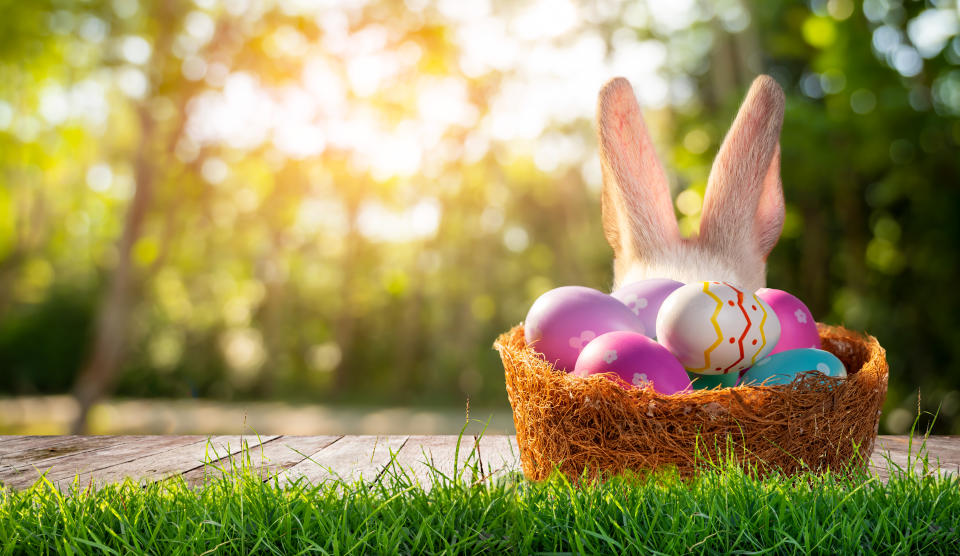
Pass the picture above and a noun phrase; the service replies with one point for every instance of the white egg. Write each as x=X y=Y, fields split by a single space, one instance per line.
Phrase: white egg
x=715 y=328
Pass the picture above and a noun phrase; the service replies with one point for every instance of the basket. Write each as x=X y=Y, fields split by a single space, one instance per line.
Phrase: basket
x=593 y=425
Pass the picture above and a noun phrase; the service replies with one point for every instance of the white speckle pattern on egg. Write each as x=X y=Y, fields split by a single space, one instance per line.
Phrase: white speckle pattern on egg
x=578 y=342
x=636 y=304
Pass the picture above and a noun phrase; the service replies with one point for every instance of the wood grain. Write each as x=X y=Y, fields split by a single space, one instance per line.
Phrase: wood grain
x=174 y=461
x=892 y=456
x=62 y=471
x=40 y=456
x=106 y=459
x=499 y=455
x=350 y=459
x=268 y=459
x=946 y=449
x=16 y=444
x=425 y=458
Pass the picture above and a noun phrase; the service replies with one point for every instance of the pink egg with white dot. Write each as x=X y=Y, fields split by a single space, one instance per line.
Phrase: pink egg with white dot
x=564 y=320
x=644 y=299
x=798 y=329
x=636 y=359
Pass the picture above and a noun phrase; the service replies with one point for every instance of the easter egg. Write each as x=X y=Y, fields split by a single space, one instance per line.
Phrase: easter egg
x=781 y=368
x=562 y=322
x=644 y=299
x=714 y=328
x=708 y=382
x=636 y=359
x=797 y=327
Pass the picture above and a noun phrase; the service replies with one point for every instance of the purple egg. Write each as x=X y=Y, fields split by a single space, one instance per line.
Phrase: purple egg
x=562 y=322
x=644 y=298
x=798 y=329
x=636 y=359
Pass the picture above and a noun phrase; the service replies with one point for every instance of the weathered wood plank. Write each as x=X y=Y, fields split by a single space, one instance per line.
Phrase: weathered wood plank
x=62 y=471
x=946 y=449
x=891 y=455
x=350 y=459
x=107 y=459
x=37 y=456
x=20 y=443
x=268 y=459
x=499 y=455
x=8 y=437
x=425 y=458
x=174 y=461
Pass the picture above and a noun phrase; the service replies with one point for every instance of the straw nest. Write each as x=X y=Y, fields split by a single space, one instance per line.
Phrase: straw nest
x=813 y=424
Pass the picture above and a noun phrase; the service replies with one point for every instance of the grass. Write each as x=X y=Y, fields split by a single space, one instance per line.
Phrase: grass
x=723 y=510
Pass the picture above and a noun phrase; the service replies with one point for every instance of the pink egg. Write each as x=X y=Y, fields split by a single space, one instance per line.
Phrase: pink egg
x=798 y=329
x=636 y=359
x=644 y=299
x=562 y=322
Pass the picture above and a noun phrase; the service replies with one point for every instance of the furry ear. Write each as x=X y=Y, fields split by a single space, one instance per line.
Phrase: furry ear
x=743 y=206
x=768 y=222
x=638 y=213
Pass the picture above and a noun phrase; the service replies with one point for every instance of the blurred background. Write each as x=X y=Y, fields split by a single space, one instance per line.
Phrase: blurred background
x=316 y=216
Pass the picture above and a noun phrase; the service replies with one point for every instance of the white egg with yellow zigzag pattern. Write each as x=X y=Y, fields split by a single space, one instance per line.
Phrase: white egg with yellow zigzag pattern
x=714 y=328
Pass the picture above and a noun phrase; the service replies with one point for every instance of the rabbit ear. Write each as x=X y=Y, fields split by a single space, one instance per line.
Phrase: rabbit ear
x=638 y=213
x=768 y=222
x=743 y=206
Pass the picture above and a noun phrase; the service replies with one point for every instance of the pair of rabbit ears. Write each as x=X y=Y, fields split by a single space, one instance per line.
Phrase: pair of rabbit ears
x=743 y=206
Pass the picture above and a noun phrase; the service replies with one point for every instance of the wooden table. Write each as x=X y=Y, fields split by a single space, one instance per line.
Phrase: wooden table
x=105 y=459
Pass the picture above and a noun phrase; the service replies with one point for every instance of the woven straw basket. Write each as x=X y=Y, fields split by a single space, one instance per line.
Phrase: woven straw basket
x=813 y=424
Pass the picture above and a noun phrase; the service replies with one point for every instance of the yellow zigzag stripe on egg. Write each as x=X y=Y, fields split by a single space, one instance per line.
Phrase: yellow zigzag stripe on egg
x=716 y=326
x=762 y=335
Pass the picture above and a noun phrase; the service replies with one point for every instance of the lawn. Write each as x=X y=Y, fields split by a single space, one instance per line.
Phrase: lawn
x=722 y=510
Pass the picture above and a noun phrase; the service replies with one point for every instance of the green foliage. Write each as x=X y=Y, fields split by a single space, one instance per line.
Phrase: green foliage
x=722 y=510
x=39 y=346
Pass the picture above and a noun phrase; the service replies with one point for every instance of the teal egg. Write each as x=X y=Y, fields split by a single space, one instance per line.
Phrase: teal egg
x=706 y=382
x=783 y=367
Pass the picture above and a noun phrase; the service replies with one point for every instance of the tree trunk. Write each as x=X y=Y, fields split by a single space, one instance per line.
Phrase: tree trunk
x=113 y=322
x=345 y=323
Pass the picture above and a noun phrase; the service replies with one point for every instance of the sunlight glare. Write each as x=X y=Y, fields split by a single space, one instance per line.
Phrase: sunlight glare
x=931 y=30
x=458 y=10
x=380 y=223
x=395 y=154
x=545 y=19
x=485 y=46
x=324 y=85
x=444 y=101
x=367 y=72
x=6 y=115
x=199 y=26
x=135 y=49
x=674 y=15
x=318 y=214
